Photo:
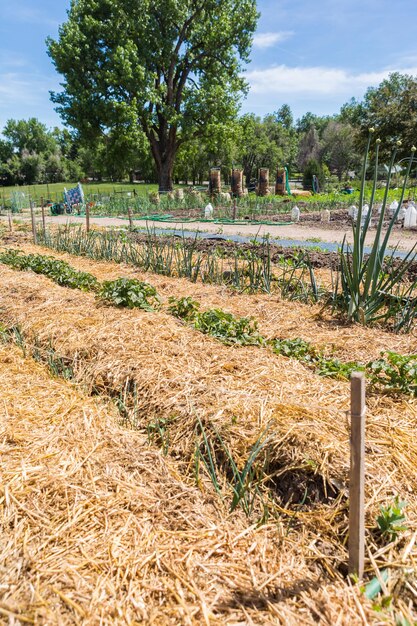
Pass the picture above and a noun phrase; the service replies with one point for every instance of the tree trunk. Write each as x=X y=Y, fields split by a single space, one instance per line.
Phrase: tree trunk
x=165 y=175
x=163 y=150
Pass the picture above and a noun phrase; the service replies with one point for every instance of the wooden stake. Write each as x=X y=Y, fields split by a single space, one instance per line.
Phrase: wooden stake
x=357 y=475
x=43 y=217
x=129 y=212
x=87 y=217
x=9 y=214
x=32 y=214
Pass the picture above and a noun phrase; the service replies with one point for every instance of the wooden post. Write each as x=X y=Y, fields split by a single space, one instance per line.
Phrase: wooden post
x=357 y=475
x=32 y=214
x=87 y=217
x=43 y=216
x=129 y=212
x=234 y=209
x=9 y=214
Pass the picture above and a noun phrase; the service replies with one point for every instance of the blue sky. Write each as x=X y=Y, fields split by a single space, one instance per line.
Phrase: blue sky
x=312 y=56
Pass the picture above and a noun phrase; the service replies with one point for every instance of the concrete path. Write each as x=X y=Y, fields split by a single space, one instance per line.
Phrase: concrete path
x=404 y=239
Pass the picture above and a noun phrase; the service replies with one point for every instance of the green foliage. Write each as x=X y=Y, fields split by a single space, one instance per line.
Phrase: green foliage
x=386 y=108
x=364 y=291
x=158 y=433
x=391 y=519
x=396 y=373
x=227 y=328
x=130 y=293
x=55 y=269
x=170 y=69
x=184 y=308
x=245 y=483
x=313 y=167
x=334 y=368
x=295 y=348
x=32 y=153
x=308 y=354
x=338 y=148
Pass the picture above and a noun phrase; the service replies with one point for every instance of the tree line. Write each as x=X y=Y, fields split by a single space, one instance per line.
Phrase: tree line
x=324 y=145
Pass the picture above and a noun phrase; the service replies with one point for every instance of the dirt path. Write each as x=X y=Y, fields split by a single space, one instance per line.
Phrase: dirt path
x=405 y=240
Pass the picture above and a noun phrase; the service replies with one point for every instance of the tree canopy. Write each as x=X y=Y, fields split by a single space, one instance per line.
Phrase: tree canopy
x=169 y=68
x=390 y=108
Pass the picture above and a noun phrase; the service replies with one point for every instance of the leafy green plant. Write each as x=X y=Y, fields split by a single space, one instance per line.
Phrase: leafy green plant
x=334 y=368
x=395 y=373
x=296 y=348
x=130 y=293
x=310 y=355
x=228 y=328
x=57 y=270
x=158 y=433
x=391 y=519
x=184 y=308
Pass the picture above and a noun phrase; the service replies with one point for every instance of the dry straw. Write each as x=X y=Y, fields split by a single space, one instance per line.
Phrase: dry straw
x=180 y=374
x=98 y=528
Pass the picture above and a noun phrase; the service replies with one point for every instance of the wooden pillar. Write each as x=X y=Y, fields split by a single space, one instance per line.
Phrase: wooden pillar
x=43 y=216
x=280 y=182
x=237 y=183
x=263 y=181
x=215 y=184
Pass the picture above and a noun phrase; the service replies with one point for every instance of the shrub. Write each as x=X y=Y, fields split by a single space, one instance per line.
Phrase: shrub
x=313 y=167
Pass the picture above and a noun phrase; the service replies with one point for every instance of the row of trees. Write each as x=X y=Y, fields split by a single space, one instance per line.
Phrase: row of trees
x=29 y=152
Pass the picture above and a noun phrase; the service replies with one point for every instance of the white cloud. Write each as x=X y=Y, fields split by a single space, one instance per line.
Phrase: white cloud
x=268 y=40
x=26 y=95
x=30 y=15
x=281 y=80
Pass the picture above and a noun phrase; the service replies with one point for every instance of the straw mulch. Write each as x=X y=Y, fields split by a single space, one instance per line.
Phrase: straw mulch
x=99 y=528
x=276 y=317
x=179 y=374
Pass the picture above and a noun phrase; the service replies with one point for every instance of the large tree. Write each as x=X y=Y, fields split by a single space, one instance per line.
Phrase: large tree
x=391 y=108
x=338 y=148
x=170 y=67
x=30 y=135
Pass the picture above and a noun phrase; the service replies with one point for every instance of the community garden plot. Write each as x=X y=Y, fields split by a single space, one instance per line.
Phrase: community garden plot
x=209 y=406
x=168 y=379
x=99 y=527
x=276 y=317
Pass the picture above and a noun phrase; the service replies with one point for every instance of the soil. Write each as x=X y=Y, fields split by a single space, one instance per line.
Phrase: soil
x=326 y=260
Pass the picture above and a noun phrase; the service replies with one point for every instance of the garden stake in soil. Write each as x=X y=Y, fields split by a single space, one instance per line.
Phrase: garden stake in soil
x=32 y=214
x=43 y=217
x=87 y=218
x=357 y=475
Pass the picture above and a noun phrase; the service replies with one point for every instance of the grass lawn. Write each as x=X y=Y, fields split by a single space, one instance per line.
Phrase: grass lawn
x=54 y=191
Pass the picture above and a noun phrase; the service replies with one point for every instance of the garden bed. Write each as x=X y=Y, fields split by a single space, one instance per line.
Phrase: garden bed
x=179 y=387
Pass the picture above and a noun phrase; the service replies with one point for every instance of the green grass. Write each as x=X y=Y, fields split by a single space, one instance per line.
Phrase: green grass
x=54 y=191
